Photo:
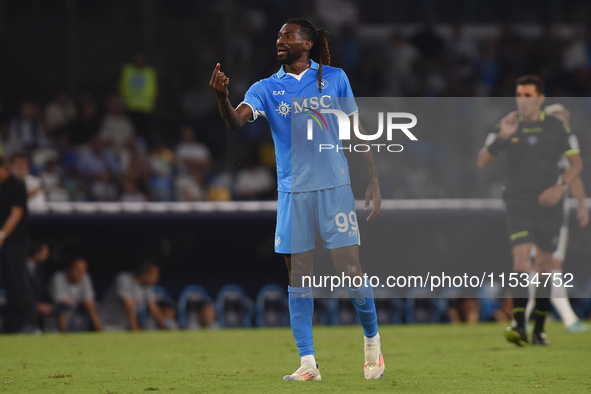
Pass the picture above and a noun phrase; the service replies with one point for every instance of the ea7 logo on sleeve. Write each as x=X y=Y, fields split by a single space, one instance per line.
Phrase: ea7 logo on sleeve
x=573 y=142
x=278 y=92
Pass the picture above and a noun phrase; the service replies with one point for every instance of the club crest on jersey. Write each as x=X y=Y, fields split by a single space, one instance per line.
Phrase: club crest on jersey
x=324 y=84
x=284 y=109
x=532 y=139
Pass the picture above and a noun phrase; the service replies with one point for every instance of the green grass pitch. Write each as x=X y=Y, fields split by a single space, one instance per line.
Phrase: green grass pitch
x=419 y=359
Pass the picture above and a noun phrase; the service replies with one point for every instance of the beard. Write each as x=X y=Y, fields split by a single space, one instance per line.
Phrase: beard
x=290 y=57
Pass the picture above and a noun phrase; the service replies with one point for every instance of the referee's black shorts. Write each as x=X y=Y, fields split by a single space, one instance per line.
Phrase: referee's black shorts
x=528 y=221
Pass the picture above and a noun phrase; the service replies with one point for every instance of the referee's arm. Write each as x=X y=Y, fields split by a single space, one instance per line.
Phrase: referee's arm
x=485 y=158
x=507 y=127
x=16 y=214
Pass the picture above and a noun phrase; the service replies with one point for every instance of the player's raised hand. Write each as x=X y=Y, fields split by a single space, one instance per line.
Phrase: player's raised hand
x=509 y=125
x=373 y=193
x=219 y=83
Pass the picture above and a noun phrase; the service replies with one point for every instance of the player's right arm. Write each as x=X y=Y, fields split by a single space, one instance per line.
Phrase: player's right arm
x=234 y=118
x=507 y=127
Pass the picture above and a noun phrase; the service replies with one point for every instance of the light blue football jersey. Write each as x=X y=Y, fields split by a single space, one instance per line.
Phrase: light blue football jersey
x=282 y=99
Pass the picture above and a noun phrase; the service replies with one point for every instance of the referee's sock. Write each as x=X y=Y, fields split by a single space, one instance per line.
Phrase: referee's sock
x=363 y=301
x=542 y=308
x=519 y=305
x=301 y=309
x=520 y=298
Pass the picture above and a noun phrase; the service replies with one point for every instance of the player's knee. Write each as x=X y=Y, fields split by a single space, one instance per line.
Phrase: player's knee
x=521 y=266
x=522 y=258
x=521 y=263
x=300 y=268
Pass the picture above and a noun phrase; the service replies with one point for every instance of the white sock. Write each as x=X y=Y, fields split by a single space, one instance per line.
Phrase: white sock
x=559 y=299
x=372 y=340
x=310 y=358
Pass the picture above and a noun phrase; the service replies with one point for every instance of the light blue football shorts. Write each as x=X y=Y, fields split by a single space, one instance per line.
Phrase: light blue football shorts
x=330 y=212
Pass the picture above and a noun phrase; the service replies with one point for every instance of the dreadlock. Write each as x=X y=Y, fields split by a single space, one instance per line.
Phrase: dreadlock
x=319 y=37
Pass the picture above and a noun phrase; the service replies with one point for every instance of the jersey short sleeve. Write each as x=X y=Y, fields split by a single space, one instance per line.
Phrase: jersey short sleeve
x=347 y=102
x=568 y=143
x=87 y=291
x=124 y=285
x=58 y=287
x=254 y=98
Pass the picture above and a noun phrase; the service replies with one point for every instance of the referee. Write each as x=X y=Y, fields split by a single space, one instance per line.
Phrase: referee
x=20 y=312
x=533 y=143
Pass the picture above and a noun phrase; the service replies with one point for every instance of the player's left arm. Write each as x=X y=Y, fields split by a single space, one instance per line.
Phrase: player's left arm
x=373 y=189
x=577 y=189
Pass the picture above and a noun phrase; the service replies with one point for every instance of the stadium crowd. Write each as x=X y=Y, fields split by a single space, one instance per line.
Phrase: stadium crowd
x=156 y=135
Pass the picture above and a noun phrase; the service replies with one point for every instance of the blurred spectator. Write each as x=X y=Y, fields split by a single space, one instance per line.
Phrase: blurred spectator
x=575 y=54
x=116 y=127
x=402 y=57
x=21 y=309
x=130 y=295
x=191 y=152
x=162 y=171
x=131 y=192
x=191 y=186
x=254 y=182
x=95 y=161
x=139 y=89
x=208 y=317
x=60 y=112
x=505 y=312
x=51 y=179
x=26 y=130
x=349 y=48
x=75 y=186
x=135 y=165
x=73 y=294
x=104 y=188
x=37 y=255
x=8 y=143
x=19 y=164
x=464 y=310
x=86 y=126
x=462 y=47
x=428 y=41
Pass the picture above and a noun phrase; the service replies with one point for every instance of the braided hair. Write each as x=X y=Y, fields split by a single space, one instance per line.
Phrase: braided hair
x=319 y=37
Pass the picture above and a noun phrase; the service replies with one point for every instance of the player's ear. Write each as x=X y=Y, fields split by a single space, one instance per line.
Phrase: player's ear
x=308 y=45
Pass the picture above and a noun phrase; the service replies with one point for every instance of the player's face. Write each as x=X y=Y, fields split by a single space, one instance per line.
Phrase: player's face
x=528 y=99
x=290 y=44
